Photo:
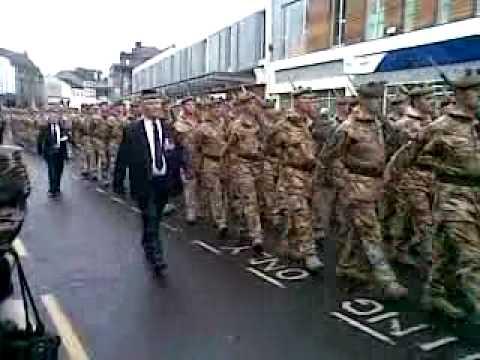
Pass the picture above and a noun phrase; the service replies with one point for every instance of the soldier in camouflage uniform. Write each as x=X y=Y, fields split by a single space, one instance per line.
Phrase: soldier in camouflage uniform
x=185 y=127
x=116 y=135
x=101 y=141
x=96 y=144
x=246 y=163
x=297 y=161
x=358 y=144
x=412 y=188
x=209 y=140
x=450 y=147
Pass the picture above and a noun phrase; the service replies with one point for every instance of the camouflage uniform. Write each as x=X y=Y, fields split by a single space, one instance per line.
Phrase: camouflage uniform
x=185 y=127
x=94 y=144
x=359 y=145
x=450 y=147
x=116 y=136
x=412 y=198
x=209 y=142
x=101 y=142
x=246 y=161
x=297 y=161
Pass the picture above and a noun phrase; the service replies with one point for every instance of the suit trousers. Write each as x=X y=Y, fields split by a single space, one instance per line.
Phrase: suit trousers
x=55 y=164
x=152 y=204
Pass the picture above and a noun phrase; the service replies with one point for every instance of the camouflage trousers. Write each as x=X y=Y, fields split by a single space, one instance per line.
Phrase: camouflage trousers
x=456 y=244
x=234 y=205
x=190 y=191
x=248 y=178
x=299 y=215
x=102 y=164
x=412 y=206
x=88 y=158
x=212 y=173
x=366 y=244
x=112 y=159
x=270 y=178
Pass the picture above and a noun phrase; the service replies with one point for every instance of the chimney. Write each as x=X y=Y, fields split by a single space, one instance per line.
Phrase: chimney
x=138 y=44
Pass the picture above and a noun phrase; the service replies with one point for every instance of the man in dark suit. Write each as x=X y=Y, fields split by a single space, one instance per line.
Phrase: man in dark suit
x=52 y=144
x=146 y=150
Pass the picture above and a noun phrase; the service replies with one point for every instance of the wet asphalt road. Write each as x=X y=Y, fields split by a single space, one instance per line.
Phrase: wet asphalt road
x=84 y=250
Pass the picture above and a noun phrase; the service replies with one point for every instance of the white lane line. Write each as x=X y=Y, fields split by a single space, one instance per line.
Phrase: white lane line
x=436 y=344
x=265 y=277
x=136 y=209
x=100 y=190
x=471 y=357
x=117 y=200
x=20 y=247
x=382 y=317
x=363 y=328
x=70 y=339
x=206 y=247
x=169 y=227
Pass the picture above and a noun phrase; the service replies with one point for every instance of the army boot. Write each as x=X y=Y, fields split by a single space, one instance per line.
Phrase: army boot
x=395 y=291
x=313 y=263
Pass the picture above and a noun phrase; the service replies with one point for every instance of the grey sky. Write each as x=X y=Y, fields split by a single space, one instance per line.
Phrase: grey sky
x=64 y=34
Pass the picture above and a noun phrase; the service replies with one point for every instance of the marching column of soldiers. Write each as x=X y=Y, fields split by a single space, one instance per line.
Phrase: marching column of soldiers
x=397 y=189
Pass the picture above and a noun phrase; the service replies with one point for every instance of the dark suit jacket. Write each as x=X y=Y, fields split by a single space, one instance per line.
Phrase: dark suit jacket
x=46 y=142
x=134 y=154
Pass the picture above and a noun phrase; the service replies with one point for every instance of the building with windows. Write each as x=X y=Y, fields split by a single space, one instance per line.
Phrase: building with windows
x=331 y=45
x=74 y=88
x=120 y=77
x=328 y=45
x=21 y=82
x=223 y=60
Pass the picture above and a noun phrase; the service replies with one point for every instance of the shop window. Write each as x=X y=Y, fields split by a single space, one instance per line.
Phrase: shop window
x=293 y=25
x=393 y=17
x=355 y=16
x=319 y=24
x=452 y=10
x=375 y=19
x=419 y=14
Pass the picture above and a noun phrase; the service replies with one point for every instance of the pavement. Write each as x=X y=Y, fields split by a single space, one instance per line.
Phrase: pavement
x=84 y=260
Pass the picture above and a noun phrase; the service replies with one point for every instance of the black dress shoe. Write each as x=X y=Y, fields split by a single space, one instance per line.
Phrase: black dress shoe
x=257 y=249
x=51 y=194
x=222 y=233
x=159 y=269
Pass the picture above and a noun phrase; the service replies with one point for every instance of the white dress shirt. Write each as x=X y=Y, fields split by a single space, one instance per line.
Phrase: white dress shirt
x=148 y=124
x=56 y=132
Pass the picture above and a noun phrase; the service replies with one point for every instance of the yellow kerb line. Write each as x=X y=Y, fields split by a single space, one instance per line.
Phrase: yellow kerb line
x=70 y=339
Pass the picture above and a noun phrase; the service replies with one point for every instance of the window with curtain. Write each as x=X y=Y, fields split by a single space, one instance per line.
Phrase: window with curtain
x=419 y=14
x=393 y=15
x=452 y=10
x=319 y=24
x=375 y=19
x=293 y=24
x=355 y=16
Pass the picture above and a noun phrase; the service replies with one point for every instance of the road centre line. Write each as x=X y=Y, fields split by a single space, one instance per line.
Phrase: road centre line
x=265 y=277
x=207 y=247
x=438 y=343
x=363 y=328
x=136 y=209
x=66 y=331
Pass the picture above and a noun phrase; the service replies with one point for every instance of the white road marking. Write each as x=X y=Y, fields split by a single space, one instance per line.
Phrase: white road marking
x=136 y=209
x=363 y=328
x=265 y=277
x=100 y=190
x=398 y=332
x=438 y=343
x=20 y=247
x=207 y=247
x=118 y=200
x=70 y=339
x=75 y=177
x=382 y=317
x=471 y=357
x=169 y=227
